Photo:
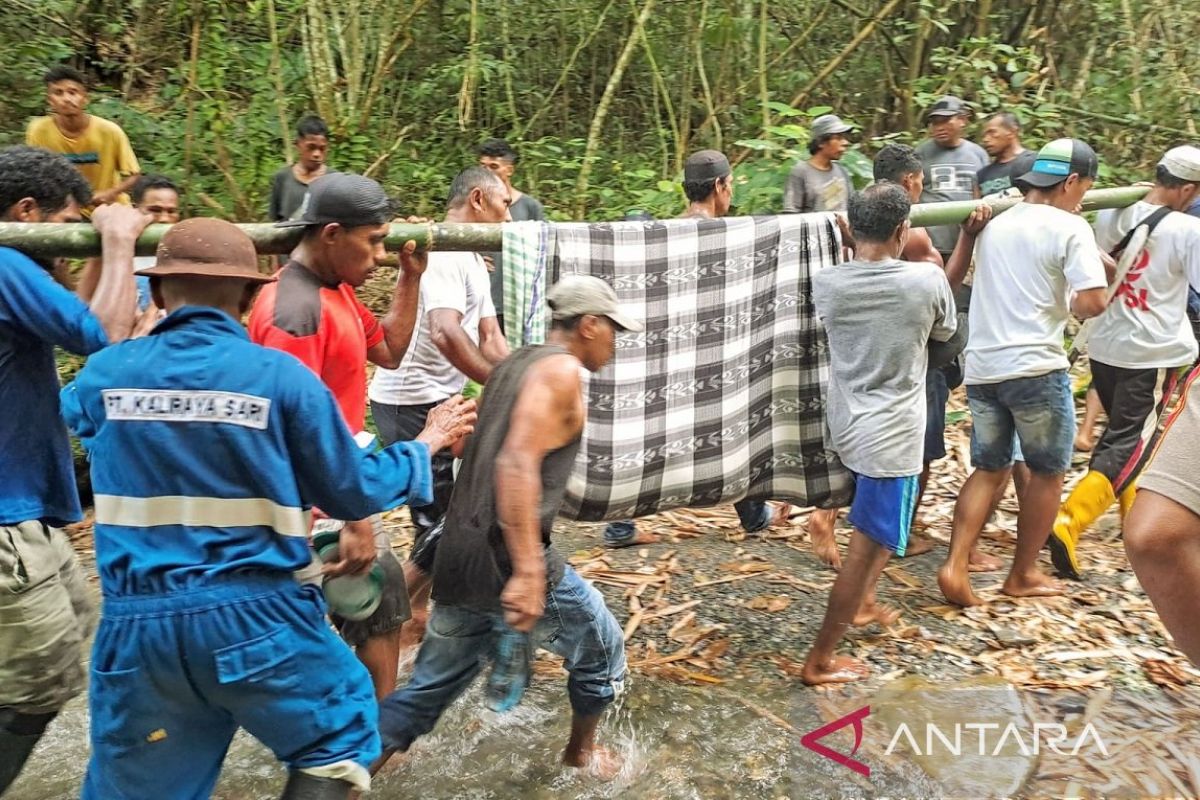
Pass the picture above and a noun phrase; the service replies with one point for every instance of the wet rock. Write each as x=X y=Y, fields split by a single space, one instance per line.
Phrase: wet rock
x=963 y=734
x=1010 y=637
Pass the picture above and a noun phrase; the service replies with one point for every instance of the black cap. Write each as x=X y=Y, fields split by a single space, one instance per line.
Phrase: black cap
x=1021 y=165
x=705 y=165
x=341 y=197
x=1057 y=161
x=947 y=106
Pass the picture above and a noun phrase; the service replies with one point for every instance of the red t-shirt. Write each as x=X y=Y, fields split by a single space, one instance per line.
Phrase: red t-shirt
x=326 y=327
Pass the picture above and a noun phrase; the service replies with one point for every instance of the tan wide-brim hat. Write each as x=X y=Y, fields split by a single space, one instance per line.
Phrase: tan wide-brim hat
x=208 y=248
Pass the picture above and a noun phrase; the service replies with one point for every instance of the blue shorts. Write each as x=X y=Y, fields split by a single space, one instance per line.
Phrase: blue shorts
x=174 y=676
x=1040 y=411
x=883 y=509
x=577 y=625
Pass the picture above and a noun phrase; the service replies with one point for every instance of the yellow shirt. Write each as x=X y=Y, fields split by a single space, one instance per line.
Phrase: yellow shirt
x=101 y=153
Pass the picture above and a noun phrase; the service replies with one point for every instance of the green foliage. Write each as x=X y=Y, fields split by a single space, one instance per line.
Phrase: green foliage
x=1107 y=71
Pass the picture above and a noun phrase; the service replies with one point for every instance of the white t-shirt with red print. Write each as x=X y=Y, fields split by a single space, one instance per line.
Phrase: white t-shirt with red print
x=1146 y=324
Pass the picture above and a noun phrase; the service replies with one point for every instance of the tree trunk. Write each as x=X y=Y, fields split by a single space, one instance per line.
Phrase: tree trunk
x=597 y=127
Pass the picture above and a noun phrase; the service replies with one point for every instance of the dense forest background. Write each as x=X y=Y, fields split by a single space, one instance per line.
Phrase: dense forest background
x=604 y=98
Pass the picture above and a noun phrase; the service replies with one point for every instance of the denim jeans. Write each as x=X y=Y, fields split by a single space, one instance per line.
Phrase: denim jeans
x=755 y=515
x=458 y=642
x=1039 y=410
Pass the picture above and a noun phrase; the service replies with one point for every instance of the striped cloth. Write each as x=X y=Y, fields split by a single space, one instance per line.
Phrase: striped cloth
x=722 y=396
x=526 y=251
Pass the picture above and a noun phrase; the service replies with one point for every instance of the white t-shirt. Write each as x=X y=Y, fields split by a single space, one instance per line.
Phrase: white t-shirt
x=1146 y=324
x=457 y=281
x=1028 y=260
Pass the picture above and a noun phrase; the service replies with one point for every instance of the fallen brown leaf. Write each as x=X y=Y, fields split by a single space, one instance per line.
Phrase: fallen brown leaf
x=770 y=603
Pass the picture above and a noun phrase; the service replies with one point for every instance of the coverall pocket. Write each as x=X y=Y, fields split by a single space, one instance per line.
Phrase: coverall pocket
x=119 y=712
x=262 y=661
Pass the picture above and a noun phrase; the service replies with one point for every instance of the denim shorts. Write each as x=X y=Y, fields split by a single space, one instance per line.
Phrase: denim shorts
x=459 y=642
x=1039 y=410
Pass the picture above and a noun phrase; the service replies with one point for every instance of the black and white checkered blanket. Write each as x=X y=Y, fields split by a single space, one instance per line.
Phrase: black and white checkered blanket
x=722 y=396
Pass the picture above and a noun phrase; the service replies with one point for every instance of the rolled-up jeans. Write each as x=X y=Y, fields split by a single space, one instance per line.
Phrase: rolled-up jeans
x=459 y=641
x=755 y=516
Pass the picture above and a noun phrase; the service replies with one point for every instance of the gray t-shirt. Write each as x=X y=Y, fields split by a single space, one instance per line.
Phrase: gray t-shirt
x=950 y=174
x=998 y=176
x=879 y=317
x=811 y=189
x=287 y=193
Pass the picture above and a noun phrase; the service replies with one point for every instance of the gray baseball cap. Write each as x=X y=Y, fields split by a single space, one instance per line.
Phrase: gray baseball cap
x=576 y=295
x=828 y=125
x=706 y=165
x=342 y=197
x=947 y=106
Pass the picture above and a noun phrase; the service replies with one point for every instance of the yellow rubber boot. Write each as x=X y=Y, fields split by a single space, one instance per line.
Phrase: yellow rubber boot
x=1126 y=499
x=1090 y=498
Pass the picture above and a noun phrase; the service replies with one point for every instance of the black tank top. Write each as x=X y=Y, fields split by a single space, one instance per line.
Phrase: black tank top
x=472 y=563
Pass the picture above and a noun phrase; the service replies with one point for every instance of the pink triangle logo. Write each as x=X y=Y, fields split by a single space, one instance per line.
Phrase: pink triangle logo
x=811 y=740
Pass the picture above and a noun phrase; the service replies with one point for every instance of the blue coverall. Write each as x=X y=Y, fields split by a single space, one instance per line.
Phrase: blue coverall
x=207 y=453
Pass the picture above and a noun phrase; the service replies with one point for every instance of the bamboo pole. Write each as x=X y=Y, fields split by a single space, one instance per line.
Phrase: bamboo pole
x=79 y=240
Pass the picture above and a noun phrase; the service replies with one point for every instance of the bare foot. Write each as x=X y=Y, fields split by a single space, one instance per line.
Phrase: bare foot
x=1035 y=584
x=957 y=588
x=782 y=516
x=918 y=544
x=1084 y=443
x=639 y=538
x=599 y=762
x=983 y=562
x=838 y=669
x=876 y=612
x=820 y=531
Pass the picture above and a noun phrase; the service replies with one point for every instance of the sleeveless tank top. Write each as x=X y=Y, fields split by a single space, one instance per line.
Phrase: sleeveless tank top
x=472 y=563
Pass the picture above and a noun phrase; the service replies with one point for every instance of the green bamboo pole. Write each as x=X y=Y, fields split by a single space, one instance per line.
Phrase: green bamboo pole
x=924 y=215
x=79 y=240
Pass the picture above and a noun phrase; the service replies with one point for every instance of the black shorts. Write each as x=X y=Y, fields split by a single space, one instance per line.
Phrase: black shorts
x=393 y=610
x=1135 y=401
x=936 y=395
x=403 y=424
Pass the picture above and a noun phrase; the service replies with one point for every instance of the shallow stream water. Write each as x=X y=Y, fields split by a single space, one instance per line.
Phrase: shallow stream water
x=675 y=741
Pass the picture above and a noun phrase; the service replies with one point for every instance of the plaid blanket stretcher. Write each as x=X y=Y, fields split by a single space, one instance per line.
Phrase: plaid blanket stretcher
x=722 y=396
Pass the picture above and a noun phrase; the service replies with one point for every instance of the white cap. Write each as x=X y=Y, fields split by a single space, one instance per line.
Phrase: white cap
x=1183 y=162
